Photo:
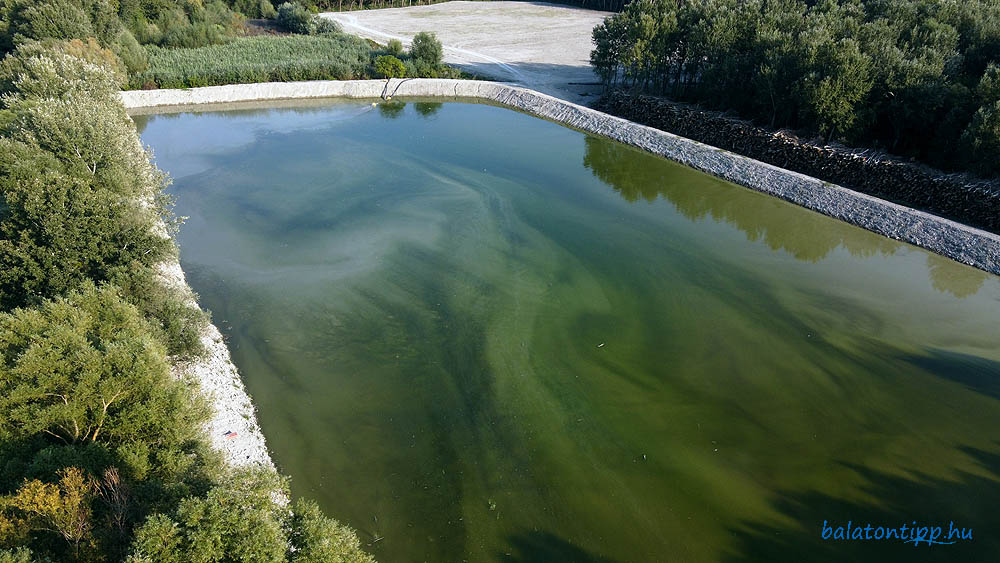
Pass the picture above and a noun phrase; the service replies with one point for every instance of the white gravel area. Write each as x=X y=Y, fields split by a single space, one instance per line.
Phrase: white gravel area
x=545 y=47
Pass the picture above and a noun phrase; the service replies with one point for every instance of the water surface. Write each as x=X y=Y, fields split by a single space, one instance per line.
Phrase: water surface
x=479 y=336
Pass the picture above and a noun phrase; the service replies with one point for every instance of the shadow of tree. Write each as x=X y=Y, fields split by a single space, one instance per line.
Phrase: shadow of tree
x=968 y=500
x=545 y=547
x=981 y=375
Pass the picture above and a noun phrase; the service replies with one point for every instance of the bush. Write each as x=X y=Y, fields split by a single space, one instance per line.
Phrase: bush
x=85 y=369
x=255 y=8
x=317 y=539
x=426 y=49
x=242 y=520
x=267 y=10
x=983 y=135
x=19 y=555
x=73 y=181
x=52 y=69
x=238 y=520
x=80 y=198
x=295 y=18
x=395 y=48
x=50 y=19
x=388 y=66
x=59 y=509
x=131 y=54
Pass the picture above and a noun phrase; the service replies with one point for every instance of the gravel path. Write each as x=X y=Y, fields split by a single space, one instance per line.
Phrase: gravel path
x=541 y=46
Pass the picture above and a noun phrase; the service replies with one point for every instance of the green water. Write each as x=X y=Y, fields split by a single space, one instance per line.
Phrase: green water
x=476 y=335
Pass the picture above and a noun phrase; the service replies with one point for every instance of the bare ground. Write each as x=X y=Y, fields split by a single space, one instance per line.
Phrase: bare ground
x=541 y=46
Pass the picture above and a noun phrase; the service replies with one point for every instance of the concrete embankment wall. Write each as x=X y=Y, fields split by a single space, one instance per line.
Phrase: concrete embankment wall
x=959 y=242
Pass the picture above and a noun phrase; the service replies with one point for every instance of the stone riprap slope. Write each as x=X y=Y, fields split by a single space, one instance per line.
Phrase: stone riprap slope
x=959 y=242
x=961 y=197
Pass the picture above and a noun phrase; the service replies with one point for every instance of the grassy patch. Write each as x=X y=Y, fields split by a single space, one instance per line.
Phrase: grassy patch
x=329 y=56
x=258 y=59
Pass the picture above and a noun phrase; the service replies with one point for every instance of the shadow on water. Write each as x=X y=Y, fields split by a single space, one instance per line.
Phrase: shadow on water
x=968 y=500
x=778 y=224
x=543 y=547
x=981 y=375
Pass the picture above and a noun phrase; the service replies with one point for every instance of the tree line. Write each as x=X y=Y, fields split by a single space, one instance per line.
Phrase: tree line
x=349 y=5
x=102 y=449
x=919 y=78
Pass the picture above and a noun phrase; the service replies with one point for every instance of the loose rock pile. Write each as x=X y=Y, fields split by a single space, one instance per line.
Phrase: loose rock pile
x=959 y=197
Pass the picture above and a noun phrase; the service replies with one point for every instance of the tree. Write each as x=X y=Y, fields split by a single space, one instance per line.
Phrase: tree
x=240 y=519
x=983 y=135
x=80 y=197
x=49 y=19
x=19 y=555
x=837 y=81
x=62 y=508
x=245 y=518
x=425 y=48
x=85 y=369
x=54 y=68
x=903 y=74
x=315 y=538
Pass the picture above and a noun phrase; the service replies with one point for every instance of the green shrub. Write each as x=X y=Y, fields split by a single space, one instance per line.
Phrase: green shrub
x=238 y=520
x=395 y=48
x=241 y=520
x=388 y=66
x=983 y=135
x=19 y=555
x=85 y=369
x=80 y=198
x=426 y=49
x=295 y=18
x=128 y=50
x=316 y=538
x=255 y=8
x=52 y=69
x=49 y=19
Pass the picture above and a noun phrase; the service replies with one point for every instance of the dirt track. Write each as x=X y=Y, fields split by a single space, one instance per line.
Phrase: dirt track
x=542 y=46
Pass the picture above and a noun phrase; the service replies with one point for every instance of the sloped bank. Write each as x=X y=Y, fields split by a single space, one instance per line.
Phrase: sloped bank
x=233 y=428
x=957 y=196
x=959 y=242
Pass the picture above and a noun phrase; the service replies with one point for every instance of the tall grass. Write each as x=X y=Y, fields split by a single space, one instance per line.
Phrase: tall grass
x=258 y=59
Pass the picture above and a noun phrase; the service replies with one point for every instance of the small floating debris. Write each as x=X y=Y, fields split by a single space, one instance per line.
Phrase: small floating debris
x=230 y=435
x=601 y=345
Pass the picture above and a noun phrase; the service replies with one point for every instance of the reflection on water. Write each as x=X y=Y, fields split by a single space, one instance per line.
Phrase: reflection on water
x=461 y=340
x=781 y=227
